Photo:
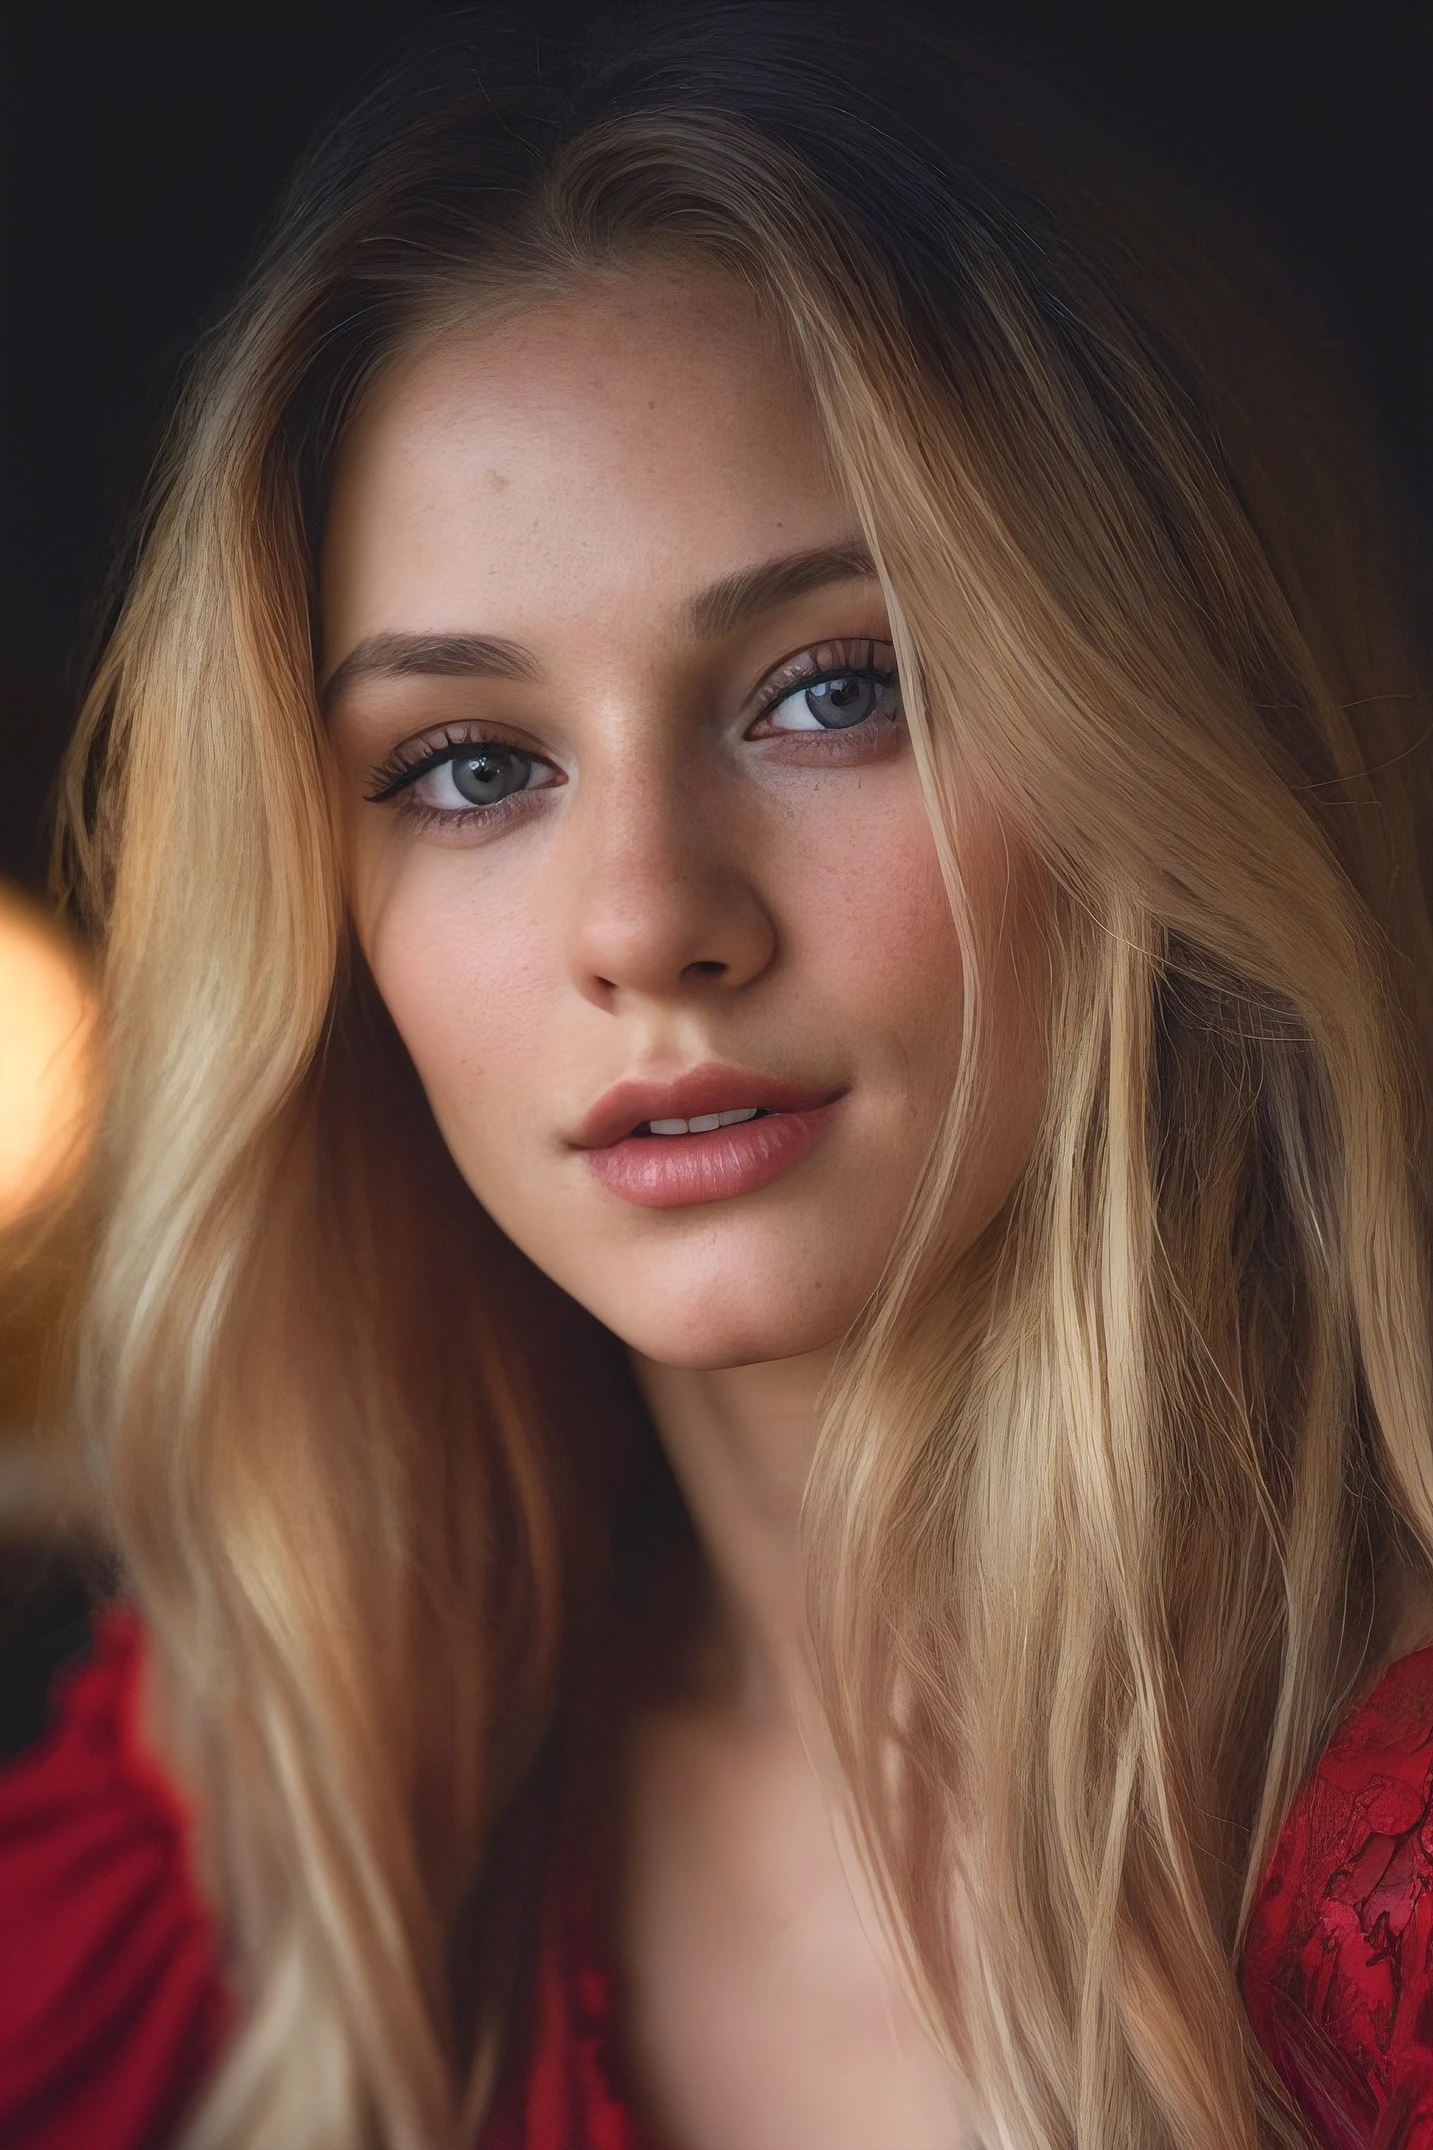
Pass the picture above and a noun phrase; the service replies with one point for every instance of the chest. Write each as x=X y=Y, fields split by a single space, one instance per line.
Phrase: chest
x=763 y=2009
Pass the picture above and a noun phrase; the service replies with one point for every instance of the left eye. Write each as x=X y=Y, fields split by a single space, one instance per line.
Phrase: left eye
x=478 y=776
x=835 y=703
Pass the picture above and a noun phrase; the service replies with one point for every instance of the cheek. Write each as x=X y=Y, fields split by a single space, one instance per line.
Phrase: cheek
x=870 y=917
x=460 y=959
x=891 y=957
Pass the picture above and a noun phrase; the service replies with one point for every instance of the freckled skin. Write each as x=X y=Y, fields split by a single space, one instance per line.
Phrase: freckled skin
x=567 y=480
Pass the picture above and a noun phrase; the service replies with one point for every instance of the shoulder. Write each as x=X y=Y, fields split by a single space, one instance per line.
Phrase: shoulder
x=111 y=2004
x=1338 y=1961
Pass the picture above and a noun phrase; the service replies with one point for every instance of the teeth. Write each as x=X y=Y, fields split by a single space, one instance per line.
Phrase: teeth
x=704 y=1122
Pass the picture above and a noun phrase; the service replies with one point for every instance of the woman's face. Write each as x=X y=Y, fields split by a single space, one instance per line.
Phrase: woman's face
x=638 y=854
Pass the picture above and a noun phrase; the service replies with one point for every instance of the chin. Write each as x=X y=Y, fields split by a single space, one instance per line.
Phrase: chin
x=711 y=1328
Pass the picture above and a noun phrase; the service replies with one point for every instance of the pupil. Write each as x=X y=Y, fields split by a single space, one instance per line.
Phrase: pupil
x=844 y=701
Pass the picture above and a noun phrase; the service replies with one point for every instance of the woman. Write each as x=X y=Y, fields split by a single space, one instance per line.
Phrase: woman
x=758 y=1337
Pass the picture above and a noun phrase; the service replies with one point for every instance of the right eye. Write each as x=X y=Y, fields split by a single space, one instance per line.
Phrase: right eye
x=458 y=779
x=475 y=776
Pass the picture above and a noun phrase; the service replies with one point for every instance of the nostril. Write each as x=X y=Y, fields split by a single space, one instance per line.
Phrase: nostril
x=703 y=970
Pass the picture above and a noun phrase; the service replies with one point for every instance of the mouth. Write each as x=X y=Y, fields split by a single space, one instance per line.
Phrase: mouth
x=707 y=1136
x=703 y=1123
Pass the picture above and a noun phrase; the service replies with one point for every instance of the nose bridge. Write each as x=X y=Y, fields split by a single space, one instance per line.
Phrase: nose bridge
x=665 y=893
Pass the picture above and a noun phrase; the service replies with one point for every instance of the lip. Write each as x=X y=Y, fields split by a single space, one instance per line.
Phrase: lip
x=712 y=1087
x=674 y=1171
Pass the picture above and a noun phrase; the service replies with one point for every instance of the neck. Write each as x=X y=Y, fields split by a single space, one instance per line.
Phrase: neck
x=739 y=1440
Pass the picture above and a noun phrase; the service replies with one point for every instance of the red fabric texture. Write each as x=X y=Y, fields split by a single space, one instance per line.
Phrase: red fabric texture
x=1338 y=1962
x=112 y=2010
x=569 y=2100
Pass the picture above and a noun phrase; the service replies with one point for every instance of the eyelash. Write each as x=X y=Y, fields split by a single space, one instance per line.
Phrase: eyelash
x=407 y=763
x=395 y=777
x=847 y=660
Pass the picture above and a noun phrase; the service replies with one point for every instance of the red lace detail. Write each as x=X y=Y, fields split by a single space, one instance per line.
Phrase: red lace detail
x=1338 y=1964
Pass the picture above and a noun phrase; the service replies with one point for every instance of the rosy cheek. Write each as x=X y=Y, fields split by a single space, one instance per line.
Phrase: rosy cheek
x=898 y=941
x=468 y=977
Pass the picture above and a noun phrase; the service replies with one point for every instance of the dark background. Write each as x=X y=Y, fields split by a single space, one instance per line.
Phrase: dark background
x=144 y=146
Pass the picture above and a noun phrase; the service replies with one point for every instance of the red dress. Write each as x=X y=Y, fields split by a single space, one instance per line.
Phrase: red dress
x=113 y=2012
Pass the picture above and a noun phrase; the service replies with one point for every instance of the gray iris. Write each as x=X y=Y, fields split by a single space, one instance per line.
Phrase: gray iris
x=846 y=700
x=489 y=775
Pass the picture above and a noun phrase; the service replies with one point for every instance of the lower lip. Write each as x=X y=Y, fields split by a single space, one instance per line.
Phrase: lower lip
x=675 y=1171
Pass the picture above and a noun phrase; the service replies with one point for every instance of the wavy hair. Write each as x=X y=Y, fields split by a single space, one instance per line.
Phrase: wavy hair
x=1111 y=1513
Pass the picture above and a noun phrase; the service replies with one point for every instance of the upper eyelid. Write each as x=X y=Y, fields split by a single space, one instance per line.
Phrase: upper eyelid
x=776 y=687
x=804 y=664
x=464 y=732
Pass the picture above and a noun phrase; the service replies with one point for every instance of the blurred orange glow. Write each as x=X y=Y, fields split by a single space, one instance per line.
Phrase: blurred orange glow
x=46 y=1057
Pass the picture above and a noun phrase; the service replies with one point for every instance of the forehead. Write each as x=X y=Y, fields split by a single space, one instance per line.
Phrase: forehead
x=622 y=442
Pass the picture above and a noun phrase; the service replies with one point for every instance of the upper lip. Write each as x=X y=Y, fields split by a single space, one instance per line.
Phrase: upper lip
x=711 y=1088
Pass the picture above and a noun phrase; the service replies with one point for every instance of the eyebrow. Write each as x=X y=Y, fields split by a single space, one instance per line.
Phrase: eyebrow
x=714 y=612
x=454 y=656
x=726 y=605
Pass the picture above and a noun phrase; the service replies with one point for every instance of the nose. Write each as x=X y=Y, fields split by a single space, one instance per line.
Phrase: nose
x=667 y=896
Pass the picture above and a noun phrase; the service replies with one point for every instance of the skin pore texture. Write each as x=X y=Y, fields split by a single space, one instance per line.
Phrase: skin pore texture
x=591 y=551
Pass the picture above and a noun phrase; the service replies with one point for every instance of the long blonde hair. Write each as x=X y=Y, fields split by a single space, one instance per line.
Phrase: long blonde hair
x=1110 y=1513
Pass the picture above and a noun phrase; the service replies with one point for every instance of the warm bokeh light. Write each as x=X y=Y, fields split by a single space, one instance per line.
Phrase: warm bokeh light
x=46 y=1057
